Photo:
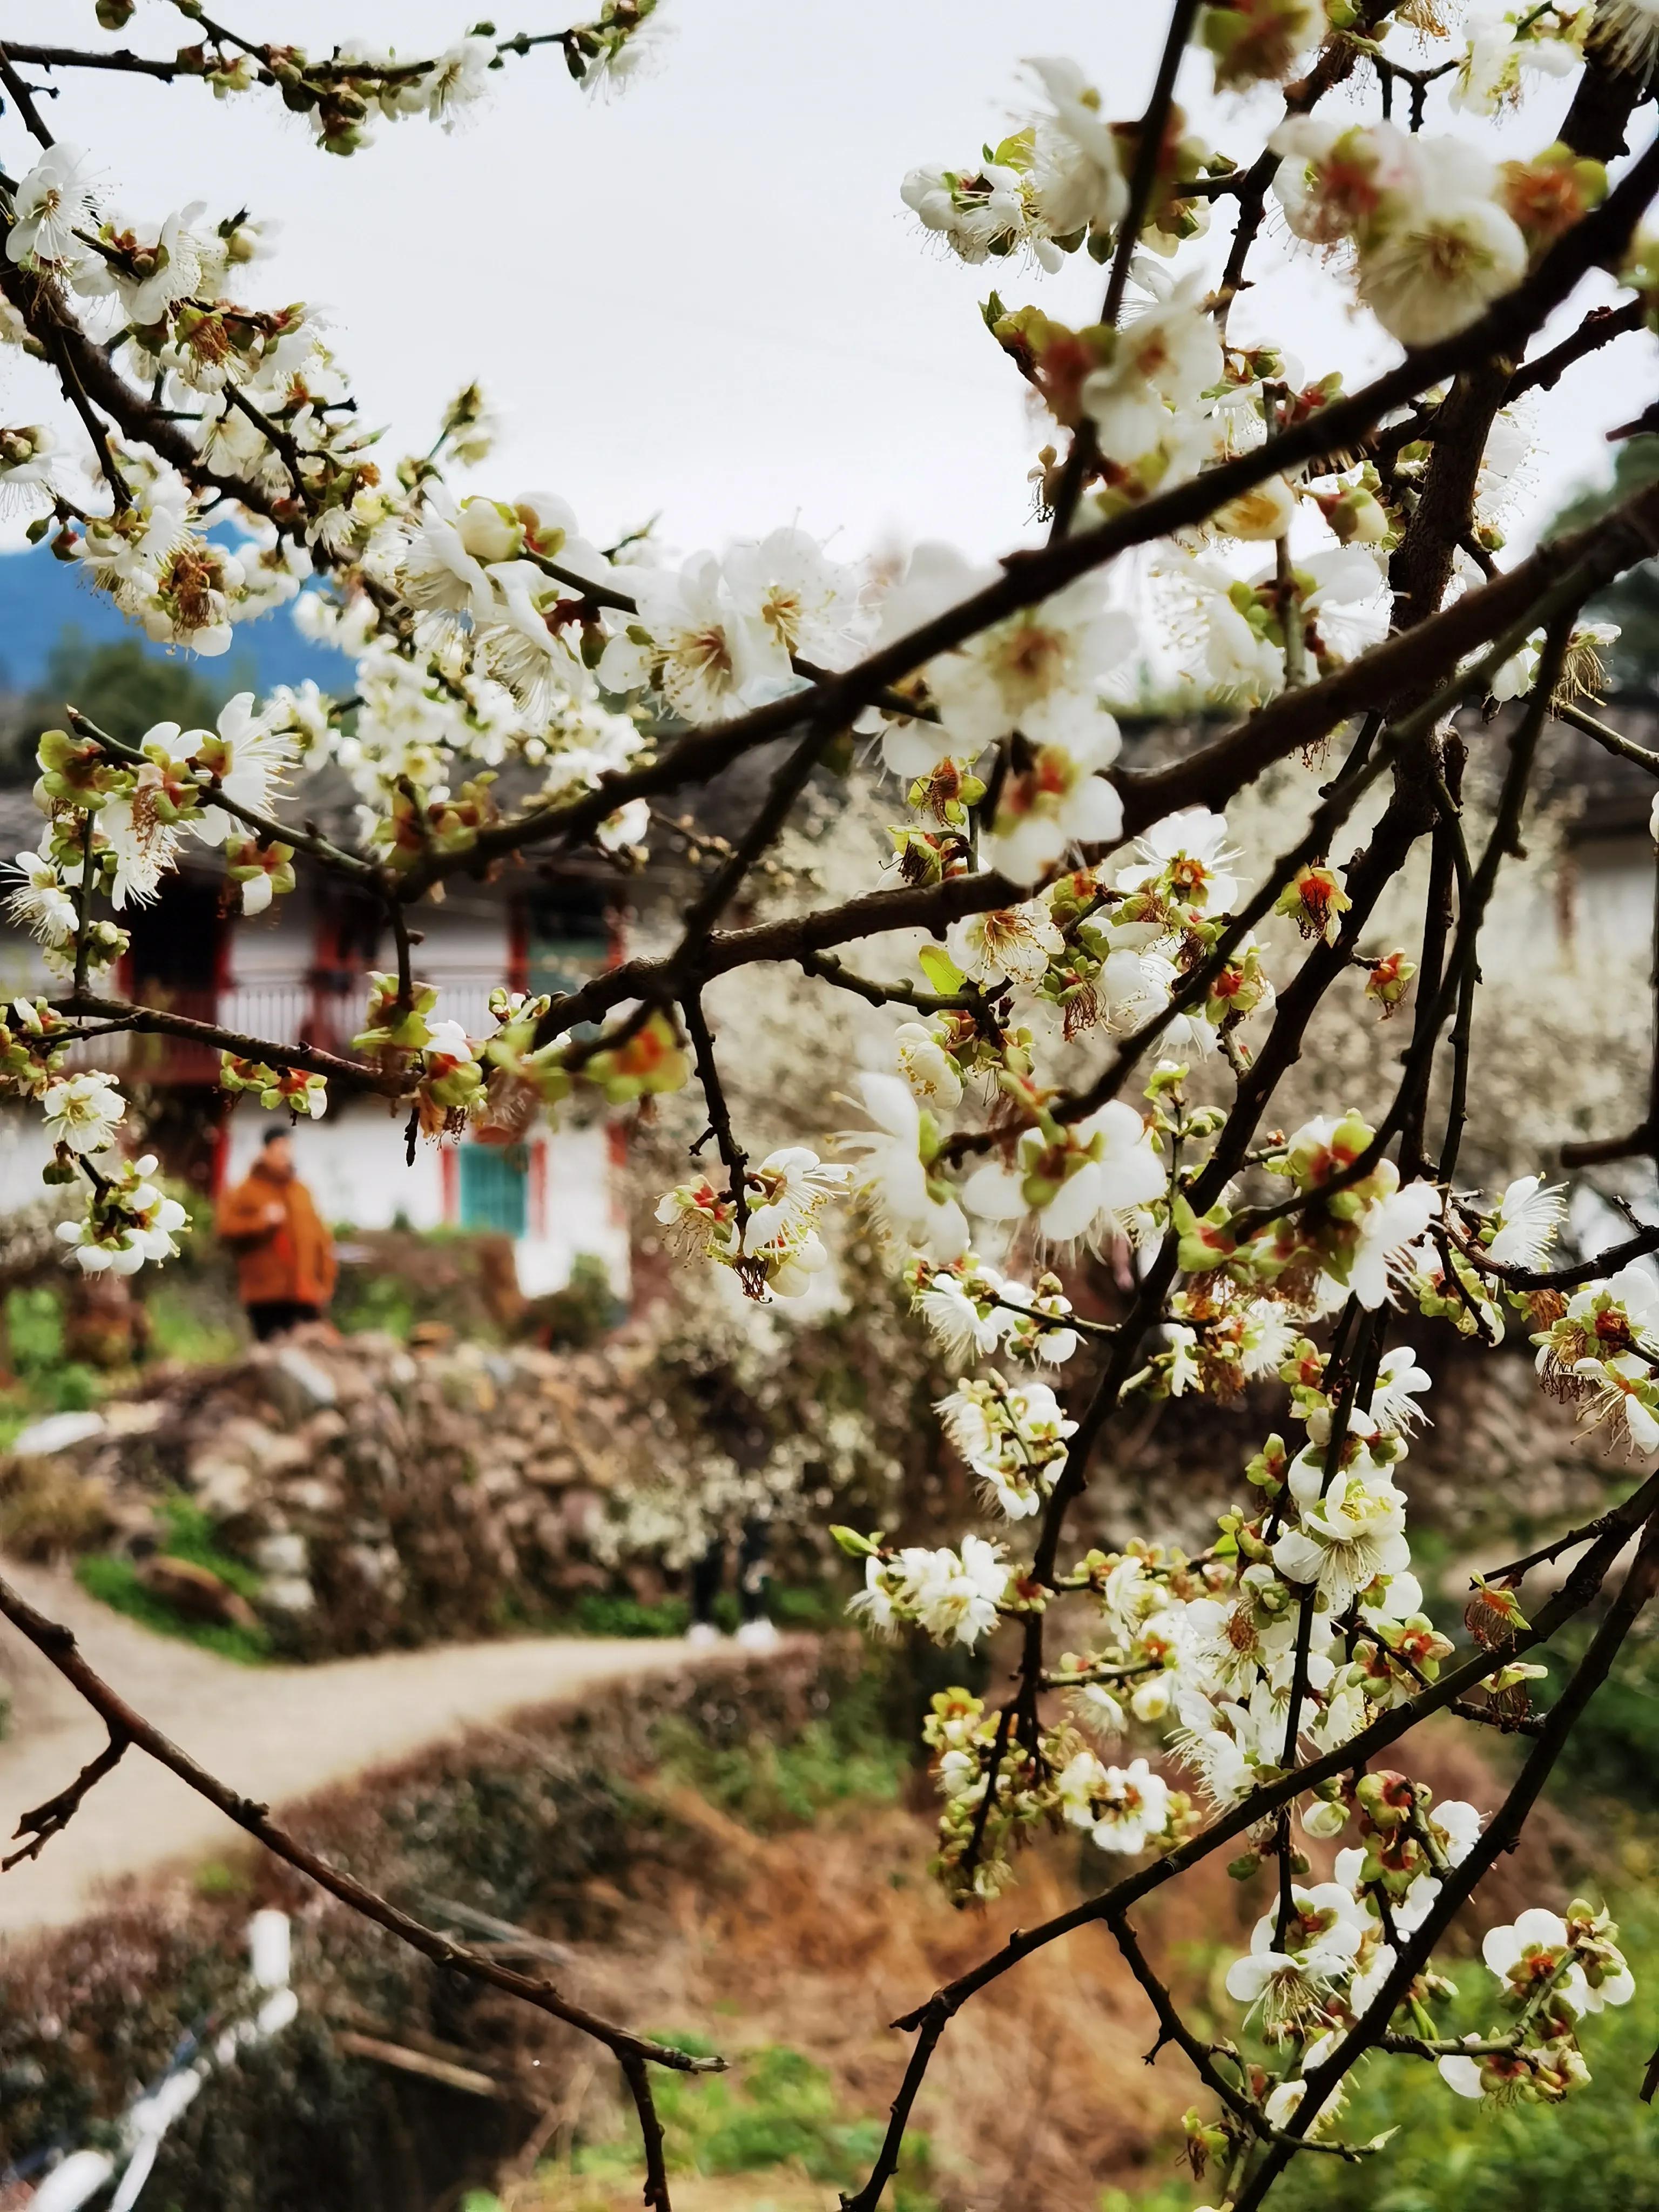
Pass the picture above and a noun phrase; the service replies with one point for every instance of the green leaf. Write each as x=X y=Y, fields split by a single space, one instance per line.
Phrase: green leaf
x=941 y=971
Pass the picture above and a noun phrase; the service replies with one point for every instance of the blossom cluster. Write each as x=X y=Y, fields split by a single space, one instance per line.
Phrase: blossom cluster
x=1073 y=1004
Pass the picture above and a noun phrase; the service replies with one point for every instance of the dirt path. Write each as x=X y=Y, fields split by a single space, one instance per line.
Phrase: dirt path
x=275 y=1732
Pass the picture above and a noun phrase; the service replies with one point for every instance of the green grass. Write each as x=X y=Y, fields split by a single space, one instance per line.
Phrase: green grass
x=183 y=1326
x=185 y=1533
x=773 y=2108
x=189 y=1326
x=850 y=1756
x=115 y=1584
x=47 y=1383
x=601 y=1612
x=365 y=1301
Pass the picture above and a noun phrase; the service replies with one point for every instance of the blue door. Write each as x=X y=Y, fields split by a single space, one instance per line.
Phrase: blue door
x=495 y=1189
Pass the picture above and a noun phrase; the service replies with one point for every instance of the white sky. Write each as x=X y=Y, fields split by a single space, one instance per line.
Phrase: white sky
x=705 y=298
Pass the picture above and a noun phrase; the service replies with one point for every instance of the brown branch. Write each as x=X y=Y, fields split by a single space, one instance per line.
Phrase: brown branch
x=50 y=1819
x=122 y=59
x=1560 y=1279
x=1599 y=328
x=1305 y=716
x=22 y=99
x=1082 y=451
x=1171 y=2028
x=157 y=1021
x=828 y=969
x=1419 y=1057
x=1563 y=569
x=1611 y=740
x=934 y=2016
x=1501 y=1834
x=719 y=1116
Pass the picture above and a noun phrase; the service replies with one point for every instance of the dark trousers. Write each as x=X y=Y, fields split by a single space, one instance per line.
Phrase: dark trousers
x=752 y=1575
x=268 y=1317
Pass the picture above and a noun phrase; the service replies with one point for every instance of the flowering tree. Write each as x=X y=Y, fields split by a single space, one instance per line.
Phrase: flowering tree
x=1331 y=561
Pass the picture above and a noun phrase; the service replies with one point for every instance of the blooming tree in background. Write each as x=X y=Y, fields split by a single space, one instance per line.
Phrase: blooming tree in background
x=1089 y=1034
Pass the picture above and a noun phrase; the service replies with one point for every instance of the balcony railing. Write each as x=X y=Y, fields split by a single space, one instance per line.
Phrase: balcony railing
x=328 y=1013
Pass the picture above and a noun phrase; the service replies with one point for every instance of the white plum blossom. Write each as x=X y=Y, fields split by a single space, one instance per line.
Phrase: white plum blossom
x=926 y=1065
x=1527 y=1217
x=41 y=903
x=1058 y=799
x=1067 y=646
x=1191 y=847
x=1325 y=1932
x=1389 y=1224
x=953 y=1595
x=798 y=602
x=890 y=1172
x=1105 y=1166
x=50 y=205
x=1012 y=945
x=439 y=574
x=694 y=641
x=977 y=215
x=1346 y=1539
x=1076 y=175
x=83 y=1111
x=1122 y=1809
x=1161 y=361
x=793 y=1186
x=1399 y=1383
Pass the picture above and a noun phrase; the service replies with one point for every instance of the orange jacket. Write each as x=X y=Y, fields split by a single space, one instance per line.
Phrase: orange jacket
x=292 y=1258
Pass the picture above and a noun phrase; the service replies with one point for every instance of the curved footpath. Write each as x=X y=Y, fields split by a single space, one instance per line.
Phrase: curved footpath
x=275 y=1733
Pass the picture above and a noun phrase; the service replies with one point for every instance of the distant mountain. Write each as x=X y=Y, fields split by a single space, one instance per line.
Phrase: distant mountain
x=41 y=598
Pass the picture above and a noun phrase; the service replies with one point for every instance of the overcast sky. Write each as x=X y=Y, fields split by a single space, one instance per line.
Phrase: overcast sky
x=705 y=298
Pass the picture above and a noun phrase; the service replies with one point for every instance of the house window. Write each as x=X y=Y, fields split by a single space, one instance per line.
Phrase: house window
x=495 y=1189
x=566 y=938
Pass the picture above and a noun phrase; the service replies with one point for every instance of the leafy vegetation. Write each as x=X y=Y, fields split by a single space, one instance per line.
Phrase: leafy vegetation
x=185 y=1322
x=1598 y=2153
x=1612 y=1754
x=1633 y=601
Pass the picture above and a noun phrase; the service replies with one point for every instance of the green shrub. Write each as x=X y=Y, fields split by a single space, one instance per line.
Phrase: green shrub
x=48 y=1383
x=187 y=1324
x=34 y=1328
x=365 y=1301
x=1614 y=1752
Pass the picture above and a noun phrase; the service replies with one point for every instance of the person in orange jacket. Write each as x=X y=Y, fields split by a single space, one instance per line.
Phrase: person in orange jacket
x=285 y=1264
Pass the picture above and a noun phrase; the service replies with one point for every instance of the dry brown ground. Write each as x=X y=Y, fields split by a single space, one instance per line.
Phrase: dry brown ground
x=1038 y=2095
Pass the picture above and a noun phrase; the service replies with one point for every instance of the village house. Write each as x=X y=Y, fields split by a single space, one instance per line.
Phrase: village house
x=299 y=973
